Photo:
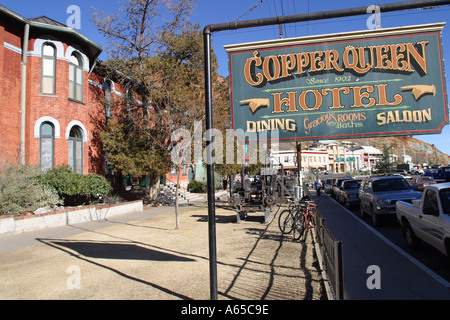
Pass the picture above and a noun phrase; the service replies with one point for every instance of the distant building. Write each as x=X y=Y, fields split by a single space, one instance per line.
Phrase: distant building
x=311 y=160
x=369 y=157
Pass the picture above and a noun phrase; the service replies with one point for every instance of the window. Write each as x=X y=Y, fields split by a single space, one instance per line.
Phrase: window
x=430 y=200
x=108 y=98
x=46 y=146
x=48 y=69
x=75 y=149
x=76 y=78
x=444 y=194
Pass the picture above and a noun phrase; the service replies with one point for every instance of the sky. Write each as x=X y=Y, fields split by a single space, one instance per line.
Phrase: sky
x=219 y=11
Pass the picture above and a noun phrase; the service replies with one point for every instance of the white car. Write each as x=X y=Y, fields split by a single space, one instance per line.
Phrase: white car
x=427 y=219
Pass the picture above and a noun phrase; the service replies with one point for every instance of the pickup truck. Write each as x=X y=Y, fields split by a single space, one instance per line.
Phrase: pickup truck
x=441 y=174
x=427 y=219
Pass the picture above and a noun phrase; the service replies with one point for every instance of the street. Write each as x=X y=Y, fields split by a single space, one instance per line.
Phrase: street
x=391 y=230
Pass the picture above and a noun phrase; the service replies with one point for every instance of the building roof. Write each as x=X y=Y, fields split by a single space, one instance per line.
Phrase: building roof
x=43 y=24
x=368 y=150
x=47 y=20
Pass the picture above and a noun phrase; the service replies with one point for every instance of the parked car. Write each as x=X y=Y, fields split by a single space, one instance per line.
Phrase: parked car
x=441 y=174
x=329 y=185
x=421 y=182
x=378 y=195
x=337 y=186
x=348 y=195
x=427 y=219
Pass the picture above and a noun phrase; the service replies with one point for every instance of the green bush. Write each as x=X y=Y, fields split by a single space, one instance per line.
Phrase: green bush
x=76 y=189
x=197 y=186
x=20 y=191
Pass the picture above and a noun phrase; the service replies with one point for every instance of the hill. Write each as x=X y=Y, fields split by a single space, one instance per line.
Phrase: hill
x=420 y=152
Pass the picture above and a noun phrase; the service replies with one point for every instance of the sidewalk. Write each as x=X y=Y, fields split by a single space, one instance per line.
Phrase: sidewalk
x=18 y=241
x=402 y=277
x=142 y=257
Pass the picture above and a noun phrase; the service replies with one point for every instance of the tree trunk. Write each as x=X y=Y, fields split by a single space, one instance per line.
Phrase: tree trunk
x=177 y=188
x=153 y=189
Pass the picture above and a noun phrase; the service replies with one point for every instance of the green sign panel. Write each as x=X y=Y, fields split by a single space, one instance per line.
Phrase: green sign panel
x=368 y=83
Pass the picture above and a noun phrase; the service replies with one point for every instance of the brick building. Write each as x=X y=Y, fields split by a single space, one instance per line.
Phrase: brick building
x=54 y=94
x=48 y=105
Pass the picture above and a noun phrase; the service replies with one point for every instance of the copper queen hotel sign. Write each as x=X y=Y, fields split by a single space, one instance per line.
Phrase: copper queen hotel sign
x=367 y=83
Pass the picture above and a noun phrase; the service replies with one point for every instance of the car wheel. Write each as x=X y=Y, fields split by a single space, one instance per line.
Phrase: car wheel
x=410 y=237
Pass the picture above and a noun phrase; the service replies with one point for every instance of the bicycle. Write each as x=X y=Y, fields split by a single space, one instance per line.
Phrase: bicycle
x=305 y=222
x=283 y=224
x=298 y=217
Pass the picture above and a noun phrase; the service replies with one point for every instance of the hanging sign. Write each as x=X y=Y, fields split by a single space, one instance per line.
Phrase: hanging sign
x=379 y=82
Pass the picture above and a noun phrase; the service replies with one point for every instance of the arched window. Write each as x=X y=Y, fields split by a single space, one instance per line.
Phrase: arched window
x=48 y=69
x=75 y=151
x=107 y=86
x=46 y=146
x=76 y=77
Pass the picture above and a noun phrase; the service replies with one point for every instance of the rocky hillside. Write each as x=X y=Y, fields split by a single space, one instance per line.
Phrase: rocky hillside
x=420 y=152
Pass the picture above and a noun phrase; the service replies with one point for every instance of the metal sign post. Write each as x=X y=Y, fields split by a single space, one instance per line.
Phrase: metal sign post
x=208 y=89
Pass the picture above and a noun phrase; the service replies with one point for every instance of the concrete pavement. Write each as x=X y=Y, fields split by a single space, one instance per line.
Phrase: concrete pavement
x=374 y=268
x=147 y=259
x=371 y=261
x=23 y=240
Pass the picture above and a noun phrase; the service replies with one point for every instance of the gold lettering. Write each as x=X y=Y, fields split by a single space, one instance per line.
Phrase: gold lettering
x=248 y=70
x=358 y=96
x=275 y=66
x=289 y=101
x=288 y=63
x=302 y=62
x=336 y=96
x=381 y=118
x=316 y=63
x=420 y=59
x=382 y=56
x=382 y=97
x=396 y=56
x=331 y=58
x=302 y=100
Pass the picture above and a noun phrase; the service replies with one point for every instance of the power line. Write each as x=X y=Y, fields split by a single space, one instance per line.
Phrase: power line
x=251 y=9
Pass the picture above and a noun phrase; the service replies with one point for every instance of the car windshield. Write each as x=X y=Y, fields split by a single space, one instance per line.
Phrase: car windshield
x=390 y=184
x=339 y=182
x=422 y=179
x=444 y=194
x=352 y=184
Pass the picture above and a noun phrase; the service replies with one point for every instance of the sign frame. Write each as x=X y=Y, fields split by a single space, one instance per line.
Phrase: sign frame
x=239 y=84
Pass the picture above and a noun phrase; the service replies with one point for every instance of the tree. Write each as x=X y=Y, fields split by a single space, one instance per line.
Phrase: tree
x=386 y=165
x=158 y=56
x=138 y=143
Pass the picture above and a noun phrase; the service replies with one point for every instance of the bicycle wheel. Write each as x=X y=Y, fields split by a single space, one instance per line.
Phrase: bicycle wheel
x=299 y=225
x=283 y=223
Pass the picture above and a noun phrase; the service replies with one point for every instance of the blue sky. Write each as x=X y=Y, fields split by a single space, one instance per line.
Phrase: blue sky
x=218 y=11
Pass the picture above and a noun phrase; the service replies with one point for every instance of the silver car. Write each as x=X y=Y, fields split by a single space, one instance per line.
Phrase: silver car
x=348 y=195
x=378 y=195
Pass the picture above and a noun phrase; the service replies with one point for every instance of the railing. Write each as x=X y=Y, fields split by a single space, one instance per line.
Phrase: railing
x=331 y=254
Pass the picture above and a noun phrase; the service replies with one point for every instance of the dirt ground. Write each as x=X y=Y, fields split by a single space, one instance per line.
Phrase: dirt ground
x=148 y=259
